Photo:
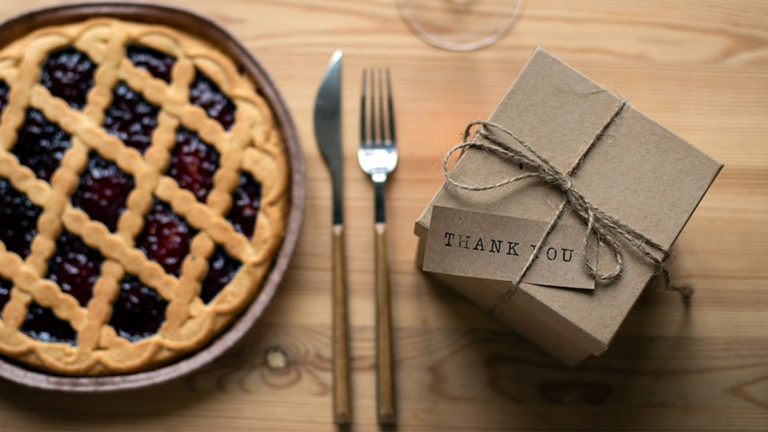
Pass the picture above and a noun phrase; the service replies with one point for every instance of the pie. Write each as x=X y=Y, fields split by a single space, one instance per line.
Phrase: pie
x=143 y=196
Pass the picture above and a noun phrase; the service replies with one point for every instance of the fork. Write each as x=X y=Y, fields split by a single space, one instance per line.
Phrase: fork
x=377 y=156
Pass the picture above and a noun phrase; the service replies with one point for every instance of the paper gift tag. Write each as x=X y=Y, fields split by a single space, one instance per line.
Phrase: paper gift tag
x=496 y=247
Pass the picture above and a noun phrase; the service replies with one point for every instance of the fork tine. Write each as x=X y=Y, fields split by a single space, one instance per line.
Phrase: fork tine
x=373 y=117
x=363 y=141
x=390 y=111
x=382 y=135
x=368 y=109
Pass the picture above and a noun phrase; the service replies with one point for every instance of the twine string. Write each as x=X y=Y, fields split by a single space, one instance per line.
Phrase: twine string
x=605 y=228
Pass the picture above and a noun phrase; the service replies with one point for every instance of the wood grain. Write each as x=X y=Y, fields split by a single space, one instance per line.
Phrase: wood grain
x=699 y=68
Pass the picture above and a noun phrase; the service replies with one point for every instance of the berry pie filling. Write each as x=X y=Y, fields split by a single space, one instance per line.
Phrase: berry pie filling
x=3 y=95
x=193 y=164
x=40 y=144
x=245 y=205
x=96 y=182
x=5 y=292
x=165 y=237
x=75 y=267
x=158 y=64
x=18 y=219
x=68 y=74
x=42 y=324
x=138 y=311
x=103 y=191
x=131 y=118
x=207 y=95
x=221 y=270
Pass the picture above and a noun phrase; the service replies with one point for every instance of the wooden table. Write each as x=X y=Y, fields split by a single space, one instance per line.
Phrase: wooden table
x=698 y=67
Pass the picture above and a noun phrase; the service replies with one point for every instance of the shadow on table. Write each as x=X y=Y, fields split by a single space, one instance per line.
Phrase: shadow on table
x=519 y=387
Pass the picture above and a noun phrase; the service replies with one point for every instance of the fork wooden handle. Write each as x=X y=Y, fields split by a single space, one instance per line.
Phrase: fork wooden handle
x=385 y=383
x=342 y=413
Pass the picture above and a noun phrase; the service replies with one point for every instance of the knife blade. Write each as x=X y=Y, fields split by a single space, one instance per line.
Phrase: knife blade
x=328 y=129
x=327 y=118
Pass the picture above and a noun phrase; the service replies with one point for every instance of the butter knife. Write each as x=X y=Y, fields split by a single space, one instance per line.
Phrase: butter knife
x=328 y=136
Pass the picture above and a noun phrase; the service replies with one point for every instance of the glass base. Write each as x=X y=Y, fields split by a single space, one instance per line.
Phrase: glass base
x=460 y=25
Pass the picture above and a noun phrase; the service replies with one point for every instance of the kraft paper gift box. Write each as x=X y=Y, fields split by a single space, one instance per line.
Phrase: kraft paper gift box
x=623 y=163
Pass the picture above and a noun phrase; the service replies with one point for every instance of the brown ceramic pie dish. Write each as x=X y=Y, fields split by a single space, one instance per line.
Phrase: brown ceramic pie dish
x=151 y=194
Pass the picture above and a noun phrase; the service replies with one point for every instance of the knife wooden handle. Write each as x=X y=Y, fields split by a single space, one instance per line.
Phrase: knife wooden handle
x=385 y=382
x=341 y=401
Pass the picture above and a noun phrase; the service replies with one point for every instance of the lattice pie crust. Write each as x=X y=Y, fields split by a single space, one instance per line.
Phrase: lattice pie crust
x=252 y=145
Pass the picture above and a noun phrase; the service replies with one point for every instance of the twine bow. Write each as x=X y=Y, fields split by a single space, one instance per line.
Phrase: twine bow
x=606 y=228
